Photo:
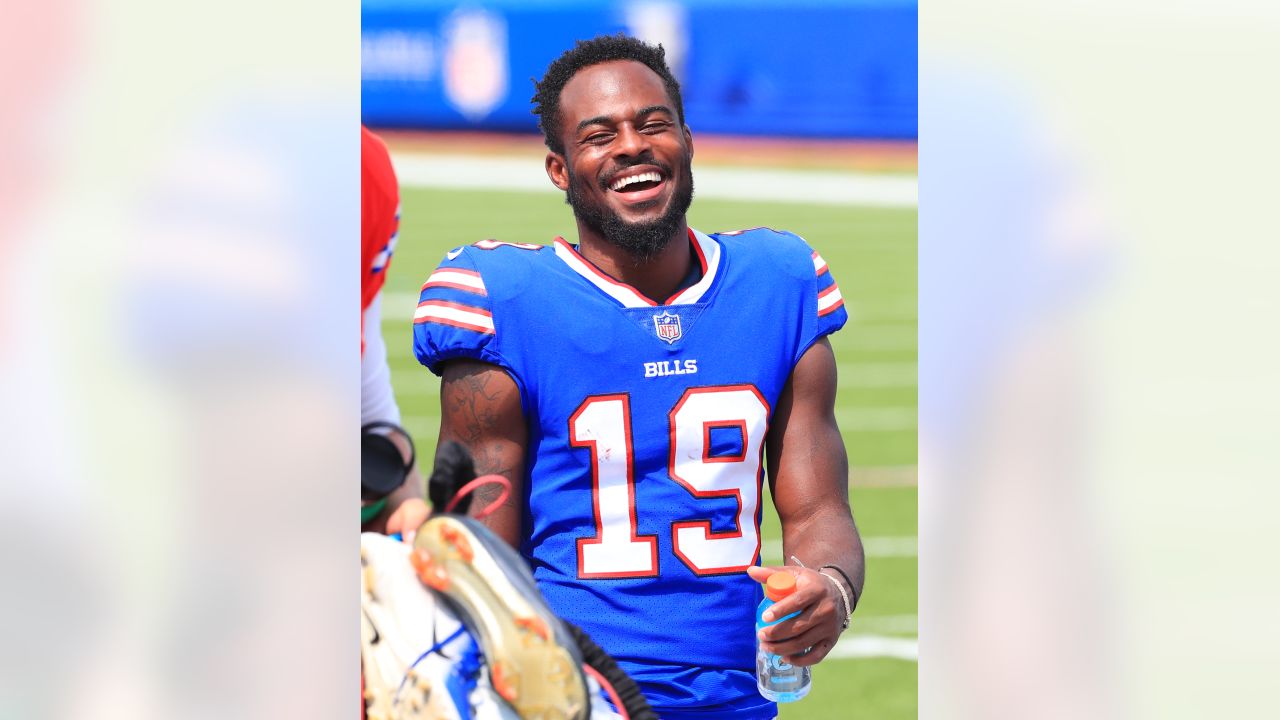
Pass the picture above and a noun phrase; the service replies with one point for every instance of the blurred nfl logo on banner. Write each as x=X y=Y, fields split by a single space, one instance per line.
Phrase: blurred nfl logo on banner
x=475 y=62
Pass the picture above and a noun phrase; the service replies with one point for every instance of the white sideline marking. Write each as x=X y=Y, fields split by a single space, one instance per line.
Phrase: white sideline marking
x=816 y=187
x=877 y=646
x=874 y=546
x=399 y=306
x=430 y=425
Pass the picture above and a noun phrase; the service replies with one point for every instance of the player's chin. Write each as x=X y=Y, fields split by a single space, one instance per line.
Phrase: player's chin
x=645 y=211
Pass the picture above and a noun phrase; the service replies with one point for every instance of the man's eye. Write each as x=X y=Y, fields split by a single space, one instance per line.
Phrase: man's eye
x=598 y=138
x=655 y=126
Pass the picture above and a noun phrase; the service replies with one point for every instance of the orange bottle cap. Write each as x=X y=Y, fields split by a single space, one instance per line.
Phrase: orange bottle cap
x=779 y=585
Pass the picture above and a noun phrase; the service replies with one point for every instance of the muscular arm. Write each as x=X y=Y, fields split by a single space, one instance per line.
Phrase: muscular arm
x=480 y=409
x=809 y=479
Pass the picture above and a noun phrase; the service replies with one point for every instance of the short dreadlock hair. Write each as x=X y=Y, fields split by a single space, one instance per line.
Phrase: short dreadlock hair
x=585 y=53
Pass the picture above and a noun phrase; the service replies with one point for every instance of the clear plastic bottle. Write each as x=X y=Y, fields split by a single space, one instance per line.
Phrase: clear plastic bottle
x=778 y=681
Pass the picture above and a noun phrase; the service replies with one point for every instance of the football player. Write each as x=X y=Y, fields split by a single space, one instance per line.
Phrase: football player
x=398 y=507
x=452 y=625
x=634 y=387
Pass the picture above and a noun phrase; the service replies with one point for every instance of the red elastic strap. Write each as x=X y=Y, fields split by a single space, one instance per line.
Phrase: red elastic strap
x=471 y=486
x=613 y=694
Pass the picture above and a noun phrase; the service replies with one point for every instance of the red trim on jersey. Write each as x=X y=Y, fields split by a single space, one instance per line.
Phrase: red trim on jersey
x=697 y=250
x=450 y=321
x=600 y=274
x=838 y=304
x=705 y=525
x=454 y=286
x=455 y=306
x=820 y=271
x=702 y=260
x=491 y=244
x=454 y=323
x=745 y=230
x=598 y=538
x=739 y=425
x=379 y=212
x=460 y=271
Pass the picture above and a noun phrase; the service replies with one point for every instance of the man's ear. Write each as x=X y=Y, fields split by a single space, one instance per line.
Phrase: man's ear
x=688 y=139
x=557 y=170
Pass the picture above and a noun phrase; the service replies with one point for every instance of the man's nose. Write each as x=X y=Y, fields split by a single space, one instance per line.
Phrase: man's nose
x=631 y=142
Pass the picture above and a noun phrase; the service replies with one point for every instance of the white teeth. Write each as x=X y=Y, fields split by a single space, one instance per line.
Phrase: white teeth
x=642 y=177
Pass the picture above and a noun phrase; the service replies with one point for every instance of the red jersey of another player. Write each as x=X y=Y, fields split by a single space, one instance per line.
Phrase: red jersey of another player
x=379 y=217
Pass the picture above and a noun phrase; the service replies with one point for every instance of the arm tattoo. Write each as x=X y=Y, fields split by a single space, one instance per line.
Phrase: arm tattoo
x=473 y=413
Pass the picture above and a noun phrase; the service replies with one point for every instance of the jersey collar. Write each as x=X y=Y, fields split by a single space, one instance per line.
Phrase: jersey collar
x=706 y=250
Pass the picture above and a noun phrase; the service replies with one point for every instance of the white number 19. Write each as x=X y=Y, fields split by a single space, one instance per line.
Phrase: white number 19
x=602 y=424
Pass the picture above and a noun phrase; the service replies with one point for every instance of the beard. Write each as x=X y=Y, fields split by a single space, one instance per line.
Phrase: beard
x=641 y=240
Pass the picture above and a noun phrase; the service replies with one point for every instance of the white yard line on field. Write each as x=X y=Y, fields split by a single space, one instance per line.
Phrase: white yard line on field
x=876 y=646
x=817 y=187
x=399 y=306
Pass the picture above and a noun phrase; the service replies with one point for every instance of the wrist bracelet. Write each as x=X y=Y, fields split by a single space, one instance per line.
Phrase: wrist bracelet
x=853 y=590
x=844 y=597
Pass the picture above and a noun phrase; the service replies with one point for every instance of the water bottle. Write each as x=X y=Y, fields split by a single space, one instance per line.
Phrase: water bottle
x=778 y=681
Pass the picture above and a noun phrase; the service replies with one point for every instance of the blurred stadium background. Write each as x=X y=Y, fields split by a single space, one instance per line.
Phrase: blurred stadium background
x=804 y=118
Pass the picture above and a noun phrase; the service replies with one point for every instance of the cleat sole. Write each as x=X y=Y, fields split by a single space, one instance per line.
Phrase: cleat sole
x=529 y=666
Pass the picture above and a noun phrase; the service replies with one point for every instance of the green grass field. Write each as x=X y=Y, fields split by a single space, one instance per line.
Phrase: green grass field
x=872 y=253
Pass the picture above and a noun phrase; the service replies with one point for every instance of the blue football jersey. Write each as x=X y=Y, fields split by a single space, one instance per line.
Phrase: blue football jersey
x=647 y=426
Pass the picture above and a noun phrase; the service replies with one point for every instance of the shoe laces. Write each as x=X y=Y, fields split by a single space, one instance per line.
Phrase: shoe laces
x=463 y=677
x=434 y=648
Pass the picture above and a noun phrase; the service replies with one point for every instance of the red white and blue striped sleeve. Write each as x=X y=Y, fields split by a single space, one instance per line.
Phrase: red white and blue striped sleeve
x=454 y=317
x=832 y=314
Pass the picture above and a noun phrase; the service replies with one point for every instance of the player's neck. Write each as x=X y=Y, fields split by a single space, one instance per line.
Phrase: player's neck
x=656 y=279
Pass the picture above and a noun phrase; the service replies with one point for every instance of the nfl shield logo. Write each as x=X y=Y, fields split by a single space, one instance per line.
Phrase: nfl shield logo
x=667 y=326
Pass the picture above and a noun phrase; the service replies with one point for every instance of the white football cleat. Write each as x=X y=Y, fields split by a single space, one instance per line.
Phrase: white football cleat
x=409 y=643
x=454 y=628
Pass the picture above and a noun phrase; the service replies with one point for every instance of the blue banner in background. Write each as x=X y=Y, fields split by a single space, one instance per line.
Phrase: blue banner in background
x=821 y=68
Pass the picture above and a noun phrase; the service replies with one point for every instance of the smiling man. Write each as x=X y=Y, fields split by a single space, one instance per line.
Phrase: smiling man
x=635 y=387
